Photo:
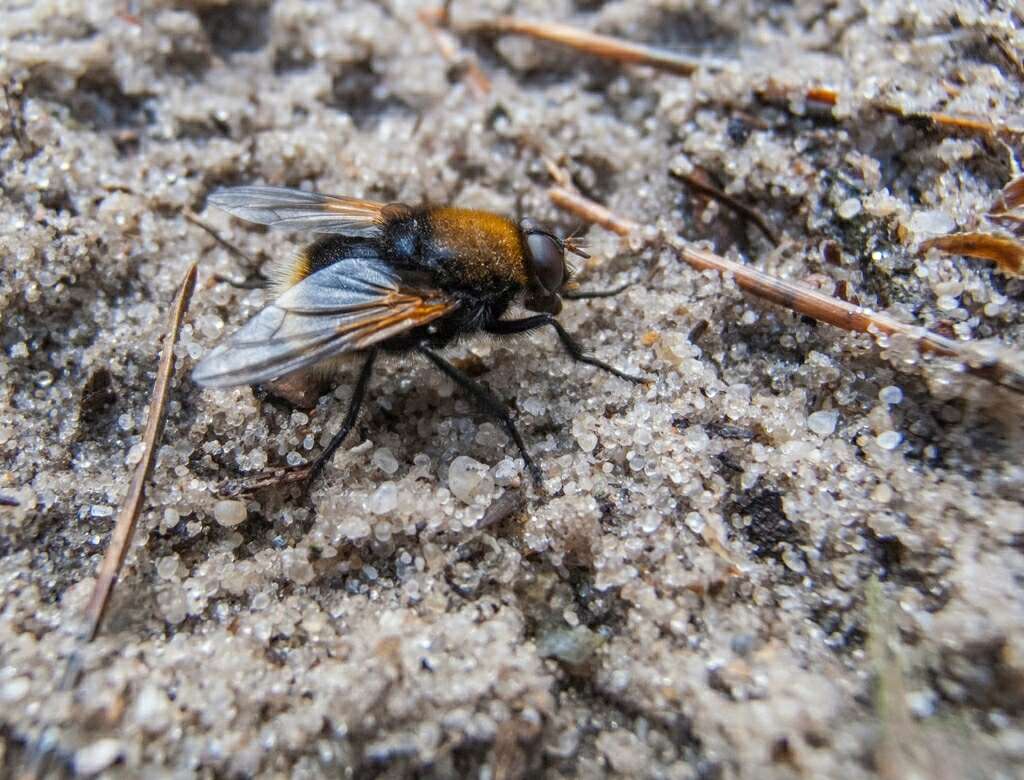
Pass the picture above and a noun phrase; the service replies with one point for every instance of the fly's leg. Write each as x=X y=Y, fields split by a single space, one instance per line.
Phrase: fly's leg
x=308 y=471
x=510 y=327
x=488 y=402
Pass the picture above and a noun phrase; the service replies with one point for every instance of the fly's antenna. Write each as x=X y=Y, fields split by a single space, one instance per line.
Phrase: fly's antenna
x=574 y=243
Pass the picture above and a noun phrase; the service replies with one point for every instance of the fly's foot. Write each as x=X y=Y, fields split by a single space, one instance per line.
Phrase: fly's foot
x=636 y=379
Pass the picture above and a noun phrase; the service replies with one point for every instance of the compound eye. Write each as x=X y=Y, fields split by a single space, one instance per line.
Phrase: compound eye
x=548 y=261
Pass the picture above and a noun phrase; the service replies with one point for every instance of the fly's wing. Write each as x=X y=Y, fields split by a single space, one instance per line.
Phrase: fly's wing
x=350 y=305
x=282 y=207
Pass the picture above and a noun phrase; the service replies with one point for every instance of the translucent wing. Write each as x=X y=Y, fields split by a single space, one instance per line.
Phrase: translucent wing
x=299 y=210
x=350 y=305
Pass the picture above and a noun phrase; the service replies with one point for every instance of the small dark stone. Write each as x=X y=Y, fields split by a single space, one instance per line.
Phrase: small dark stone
x=738 y=130
x=727 y=431
x=97 y=394
x=832 y=253
x=769 y=527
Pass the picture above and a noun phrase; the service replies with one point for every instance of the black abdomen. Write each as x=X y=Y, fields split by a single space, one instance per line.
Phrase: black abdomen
x=327 y=251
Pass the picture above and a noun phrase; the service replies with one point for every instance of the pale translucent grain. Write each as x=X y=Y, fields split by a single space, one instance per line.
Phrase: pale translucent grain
x=889 y=440
x=229 y=513
x=849 y=208
x=385 y=460
x=890 y=395
x=823 y=423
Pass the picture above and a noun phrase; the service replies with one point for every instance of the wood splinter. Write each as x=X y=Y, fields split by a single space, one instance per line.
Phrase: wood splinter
x=435 y=19
x=603 y=46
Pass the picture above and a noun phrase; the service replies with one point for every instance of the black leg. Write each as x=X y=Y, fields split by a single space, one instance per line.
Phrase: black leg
x=358 y=394
x=582 y=295
x=310 y=470
x=486 y=399
x=510 y=327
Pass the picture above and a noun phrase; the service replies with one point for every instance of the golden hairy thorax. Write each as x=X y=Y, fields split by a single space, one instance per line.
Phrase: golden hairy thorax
x=489 y=246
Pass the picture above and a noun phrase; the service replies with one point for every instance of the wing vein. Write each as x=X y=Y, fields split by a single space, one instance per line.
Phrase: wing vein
x=282 y=207
x=353 y=304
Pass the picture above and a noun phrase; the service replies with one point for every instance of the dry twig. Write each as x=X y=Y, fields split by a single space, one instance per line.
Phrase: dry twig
x=1002 y=42
x=1010 y=197
x=951 y=122
x=623 y=51
x=256 y=281
x=604 y=46
x=588 y=210
x=812 y=303
x=1008 y=210
x=434 y=19
x=17 y=120
x=502 y=508
x=848 y=316
x=745 y=211
x=196 y=220
x=824 y=95
x=829 y=97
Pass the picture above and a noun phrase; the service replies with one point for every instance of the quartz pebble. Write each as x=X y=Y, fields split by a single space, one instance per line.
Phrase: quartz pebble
x=929 y=223
x=466 y=477
x=587 y=441
x=94 y=758
x=890 y=395
x=385 y=460
x=823 y=423
x=229 y=513
x=889 y=440
x=167 y=567
x=153 y=709
x=849 y=208
x=14 y=690
x=384 y=499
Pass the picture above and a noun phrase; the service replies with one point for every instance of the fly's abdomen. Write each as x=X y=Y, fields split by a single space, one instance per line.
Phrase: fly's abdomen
x=318 y=255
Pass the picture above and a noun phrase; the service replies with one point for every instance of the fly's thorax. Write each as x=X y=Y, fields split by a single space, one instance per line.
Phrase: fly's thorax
x=479 y=251
x=402 y=237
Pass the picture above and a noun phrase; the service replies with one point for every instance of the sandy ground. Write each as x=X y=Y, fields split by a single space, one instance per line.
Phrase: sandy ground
x=692 y=597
